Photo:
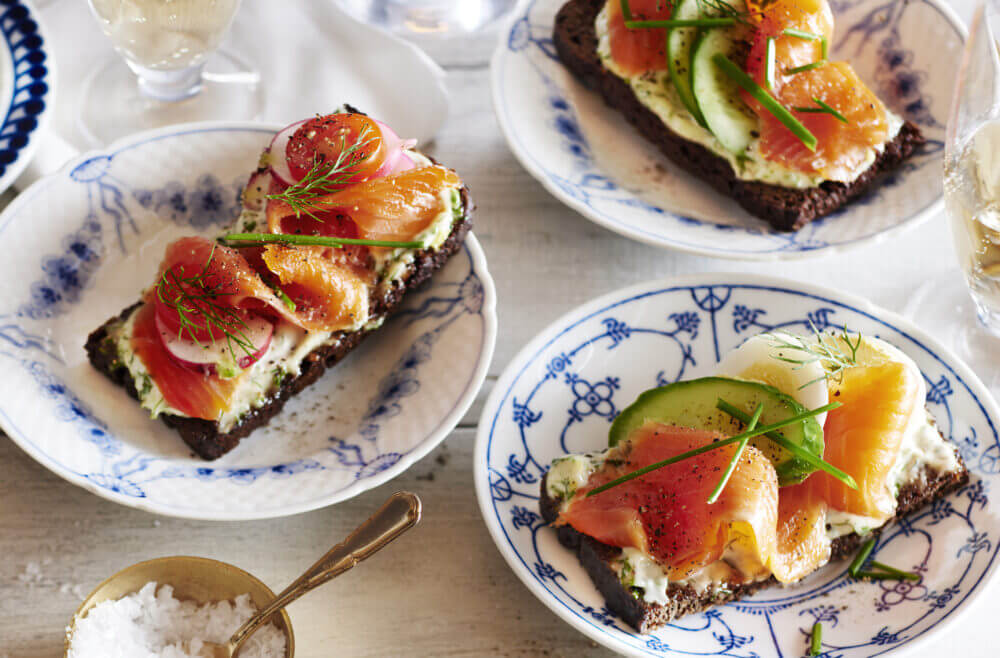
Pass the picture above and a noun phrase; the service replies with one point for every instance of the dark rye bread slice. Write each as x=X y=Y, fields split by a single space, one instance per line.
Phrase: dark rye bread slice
x=597 y=557
x=784 y=208
x=203 y=436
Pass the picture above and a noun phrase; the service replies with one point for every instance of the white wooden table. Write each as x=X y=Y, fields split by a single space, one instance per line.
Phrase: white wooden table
x=443 y=589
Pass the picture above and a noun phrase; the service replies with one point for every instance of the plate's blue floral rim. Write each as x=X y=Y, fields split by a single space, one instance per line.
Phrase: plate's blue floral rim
x=577 y=194
x=33 y=89
x=715 y=291
x=115 y=484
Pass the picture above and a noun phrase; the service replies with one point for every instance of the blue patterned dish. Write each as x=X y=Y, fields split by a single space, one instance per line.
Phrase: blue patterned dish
x=561 y=392
x=27 y=84
x=75 y=249
x=591 y=159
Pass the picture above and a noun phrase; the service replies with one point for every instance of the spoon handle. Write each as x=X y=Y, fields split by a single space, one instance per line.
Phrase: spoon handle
x=400 y=513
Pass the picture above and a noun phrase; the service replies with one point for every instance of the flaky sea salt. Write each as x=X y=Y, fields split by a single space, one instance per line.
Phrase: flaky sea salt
x=153 y=624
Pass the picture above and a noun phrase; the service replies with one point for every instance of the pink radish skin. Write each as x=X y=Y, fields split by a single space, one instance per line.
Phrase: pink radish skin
x=205 y=356
x=278 y=159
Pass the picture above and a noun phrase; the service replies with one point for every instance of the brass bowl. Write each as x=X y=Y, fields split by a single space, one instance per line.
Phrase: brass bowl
x=193 y=579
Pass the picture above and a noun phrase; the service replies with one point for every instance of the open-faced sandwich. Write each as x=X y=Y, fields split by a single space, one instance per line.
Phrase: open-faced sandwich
x=800 y=450
x=742 y=95
x=340 y=220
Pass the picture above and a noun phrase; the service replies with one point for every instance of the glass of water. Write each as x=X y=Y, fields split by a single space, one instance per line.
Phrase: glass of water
x=966 y=310
x=169 y=70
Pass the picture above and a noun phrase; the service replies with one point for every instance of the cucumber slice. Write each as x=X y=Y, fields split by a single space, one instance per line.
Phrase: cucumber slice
x=692 y=404
x=730 y=119
x=680 y=40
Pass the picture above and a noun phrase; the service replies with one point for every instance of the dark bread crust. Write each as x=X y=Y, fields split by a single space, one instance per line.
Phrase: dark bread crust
x=784 y=208
x=203 y=436
x=597 y=557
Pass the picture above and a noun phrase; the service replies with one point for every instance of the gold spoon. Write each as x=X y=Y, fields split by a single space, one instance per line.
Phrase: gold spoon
x=203 y=581
x=400 y=513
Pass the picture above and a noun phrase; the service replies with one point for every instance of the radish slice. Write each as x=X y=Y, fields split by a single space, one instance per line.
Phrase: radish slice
x=278 y=159
x=255 y=193
x=206 y=356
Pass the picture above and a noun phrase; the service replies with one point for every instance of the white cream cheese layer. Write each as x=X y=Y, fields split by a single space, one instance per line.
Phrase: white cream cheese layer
x=290 y=344
x=656 y=91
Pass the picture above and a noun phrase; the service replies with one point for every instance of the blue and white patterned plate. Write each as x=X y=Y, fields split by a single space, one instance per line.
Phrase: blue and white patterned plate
x=591 y=159
x=561 y=392
x=27 y=84
x=78 y=246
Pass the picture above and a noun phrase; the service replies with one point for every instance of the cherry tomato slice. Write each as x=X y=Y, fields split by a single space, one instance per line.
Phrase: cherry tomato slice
x=325 y=138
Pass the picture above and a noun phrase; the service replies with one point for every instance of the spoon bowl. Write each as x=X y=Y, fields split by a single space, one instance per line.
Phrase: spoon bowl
x=195 y=579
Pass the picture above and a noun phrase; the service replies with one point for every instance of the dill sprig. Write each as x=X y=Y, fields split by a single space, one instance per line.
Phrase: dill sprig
x=325 y=178
x=195 y=300
x=715 y=13
x=829 y=351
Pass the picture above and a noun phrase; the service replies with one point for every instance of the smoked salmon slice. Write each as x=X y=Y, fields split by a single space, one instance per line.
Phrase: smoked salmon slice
x=863 y=437
x=328 y=296
x=222 y=272
x=640 y=50
x=394 y=208
x=188 y=390
x=665 y=513
x=841 y=147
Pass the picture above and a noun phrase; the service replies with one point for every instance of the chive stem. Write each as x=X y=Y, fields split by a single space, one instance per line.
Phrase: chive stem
x=766 y=100
x=823 y=109
x=769 y=63
x=736 y=456
x=711 y=446
x=626 y=11
x=801 y=34
x=860 y=558
x=793 y=448
x=824 y=48
x=877 y=575
x=816 y=642
x=681 y=22
x=806 y=67
x=239 y=240
x=905 y=575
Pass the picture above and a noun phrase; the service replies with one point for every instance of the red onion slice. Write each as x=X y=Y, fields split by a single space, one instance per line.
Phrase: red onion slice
x=194 y=354
x=278 y=158
x=396 y=160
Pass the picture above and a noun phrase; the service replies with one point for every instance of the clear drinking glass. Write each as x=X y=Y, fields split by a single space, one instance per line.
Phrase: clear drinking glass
x=171 y=73
x=966 y=310
x=428 y=18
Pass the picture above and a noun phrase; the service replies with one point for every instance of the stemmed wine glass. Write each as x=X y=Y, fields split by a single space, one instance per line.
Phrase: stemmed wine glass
x=965 y=310
x=172 y=71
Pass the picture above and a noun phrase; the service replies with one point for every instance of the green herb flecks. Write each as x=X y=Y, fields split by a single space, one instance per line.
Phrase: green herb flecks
x=243 y=240
x=740 y=447
x=791 y=447
x=768 y=101
x=757 y=431
x=823 y=108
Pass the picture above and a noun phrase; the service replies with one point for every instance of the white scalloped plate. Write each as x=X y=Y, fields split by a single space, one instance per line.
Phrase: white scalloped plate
x=79 y=245
x=561 y=392
x=591 y=159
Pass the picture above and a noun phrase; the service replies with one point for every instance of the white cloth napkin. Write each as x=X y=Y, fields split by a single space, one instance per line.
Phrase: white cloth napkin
x=311 y=57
